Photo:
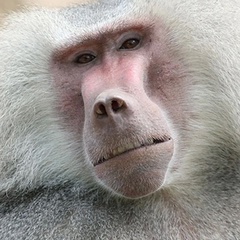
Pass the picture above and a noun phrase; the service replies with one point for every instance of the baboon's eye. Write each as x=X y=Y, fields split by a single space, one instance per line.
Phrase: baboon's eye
x=85 y=58
x=130 y=44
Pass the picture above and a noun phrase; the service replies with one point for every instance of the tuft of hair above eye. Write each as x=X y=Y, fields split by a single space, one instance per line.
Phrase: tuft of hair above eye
x=130 y=44
x=85 y=58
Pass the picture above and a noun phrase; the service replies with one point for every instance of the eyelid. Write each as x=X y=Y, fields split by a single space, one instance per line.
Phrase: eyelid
x=90 y=59
x=78 y=54
x=129 y=36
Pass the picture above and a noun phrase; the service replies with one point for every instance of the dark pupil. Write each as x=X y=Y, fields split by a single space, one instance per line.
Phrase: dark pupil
x=85 y=58
x=130 y=43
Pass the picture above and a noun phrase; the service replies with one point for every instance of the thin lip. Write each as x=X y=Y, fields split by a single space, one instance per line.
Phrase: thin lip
x=155 y=141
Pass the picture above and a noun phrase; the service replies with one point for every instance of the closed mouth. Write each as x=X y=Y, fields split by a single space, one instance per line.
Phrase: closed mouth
x=132 y=146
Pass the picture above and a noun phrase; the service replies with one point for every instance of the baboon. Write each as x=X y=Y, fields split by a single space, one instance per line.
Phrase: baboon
x=120 y=120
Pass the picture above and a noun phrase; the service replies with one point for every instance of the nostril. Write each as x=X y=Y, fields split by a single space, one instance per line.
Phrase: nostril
x=117 y=104
x=109 y=106
x=101 y=110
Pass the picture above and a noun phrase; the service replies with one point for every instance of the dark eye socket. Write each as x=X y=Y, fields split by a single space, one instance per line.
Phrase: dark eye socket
x=85 y=58
x=131 y=43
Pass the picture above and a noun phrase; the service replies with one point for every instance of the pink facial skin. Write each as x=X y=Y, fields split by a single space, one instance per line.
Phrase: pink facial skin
x=120 y=93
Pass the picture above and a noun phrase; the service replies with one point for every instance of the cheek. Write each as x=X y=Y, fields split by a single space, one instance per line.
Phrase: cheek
x=71 y=108
x=69 y=105
x=167 y=83
x=168 y=87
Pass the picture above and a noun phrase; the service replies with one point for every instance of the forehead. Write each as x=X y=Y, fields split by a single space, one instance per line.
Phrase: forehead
x=84 y=22
x=99 y=12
